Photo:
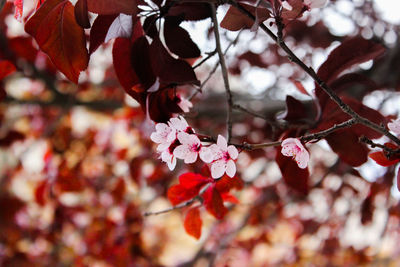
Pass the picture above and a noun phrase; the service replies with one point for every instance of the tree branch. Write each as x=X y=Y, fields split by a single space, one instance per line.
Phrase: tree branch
x=310 y=71
x=224 y=71
x=181 y=205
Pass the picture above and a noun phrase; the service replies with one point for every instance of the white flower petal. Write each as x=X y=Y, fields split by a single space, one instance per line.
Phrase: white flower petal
x=302 y=159
x=190 y=157
x=184 y=138
x=206 y=154
x=233 y=152
x=394 y=126
x=181 y=151
x=218 y=168
x=221 y=142
x=230 y=168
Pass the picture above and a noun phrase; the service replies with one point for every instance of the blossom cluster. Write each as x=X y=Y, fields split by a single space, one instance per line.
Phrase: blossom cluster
x=177 y=140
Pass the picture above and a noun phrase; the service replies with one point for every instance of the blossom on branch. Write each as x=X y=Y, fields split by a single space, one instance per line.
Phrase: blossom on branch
x=394 y=126
x=292 y=147
x=315 y=3
x=223 y=158
x=191 y=147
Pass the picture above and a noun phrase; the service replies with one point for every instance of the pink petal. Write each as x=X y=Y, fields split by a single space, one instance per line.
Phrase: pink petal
x=302 y=159
x=179 y=123
x=233 y=152
x=206 y=154
x=287 y=150
x=394 y=126
x=191 y=157
x=230 y=168
x=218 y=168
x=181 y=151
x=184 y=138
x=221 y=142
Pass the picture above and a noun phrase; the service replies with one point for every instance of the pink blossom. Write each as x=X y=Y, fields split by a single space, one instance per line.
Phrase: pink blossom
x=164 y=136
x=292 y=147
x=191 y=147
x=168 y=157
x=185 y=104
x=223 y=158
x=180 y=124
x=394 y=126
x=315 y=3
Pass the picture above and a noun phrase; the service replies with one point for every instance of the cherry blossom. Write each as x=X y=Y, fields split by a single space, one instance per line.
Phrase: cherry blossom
x=164 y=136
x=315 y=3
x=292 y=147
x=185 y=104
x=191 y=147
x=168 y=157
x=223 y=158
x=394 y=126
x=180 y=124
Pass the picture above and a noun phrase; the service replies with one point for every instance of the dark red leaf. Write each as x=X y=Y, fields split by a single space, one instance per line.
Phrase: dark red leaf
x=10 y=138
x=53 y=26
x=235 y=20
x=81 y=14
x=122 y=54
x=107 y=7
x=353 y=51
x=193 y=223
x=6 y=68
x=294 y=177
x=214 y=203
x=169 y=69
x=149 y=26
x=367 y=210
x=178 y=39
x=163 y=104
x=99 y=31
x=380 y=158
x=41 y=193
x=296 y=11
x=119 y=190
x=191 y=11
x=345 y=143
x=295 y=109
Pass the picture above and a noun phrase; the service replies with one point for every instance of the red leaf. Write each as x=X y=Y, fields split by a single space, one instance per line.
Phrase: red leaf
x=178 y=194
x=294 y=177
x=345 y=143
x=352 y=51
x=191 y=11
x=10 y=138
x=193 y=223
x=227 y=197
x=178 y=39
x=6 y=68
x=380 y=158
x=107 y=7
x=225 y=184
x=99 y=31
x=119 y=190
x=295 y=109
x=81 y=14
x=190 y=180
x=169 y=69
x=299 y=87
x=58 y=35
x=214 y=203
x=122 y=53
x=41 y=193
x=235 y=20
x=163 y=104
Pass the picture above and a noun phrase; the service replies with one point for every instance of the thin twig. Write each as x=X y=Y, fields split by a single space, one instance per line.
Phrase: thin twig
x=179 y=206
x=389 y=151
x=224 y=70
x=306 y=138
x=310 y=71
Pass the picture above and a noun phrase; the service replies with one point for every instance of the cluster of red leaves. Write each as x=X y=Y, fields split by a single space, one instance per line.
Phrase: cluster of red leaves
x=215 y=193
